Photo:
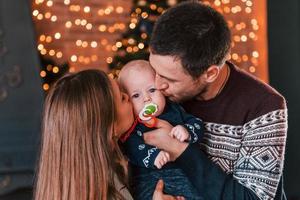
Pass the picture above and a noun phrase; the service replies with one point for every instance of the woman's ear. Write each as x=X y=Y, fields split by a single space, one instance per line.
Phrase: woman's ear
x=211 y=74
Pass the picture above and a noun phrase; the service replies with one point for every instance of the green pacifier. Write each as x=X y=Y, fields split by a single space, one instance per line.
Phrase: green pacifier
x=148 y=111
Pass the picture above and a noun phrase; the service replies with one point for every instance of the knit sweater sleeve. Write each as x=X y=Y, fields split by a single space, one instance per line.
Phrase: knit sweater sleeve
x=260 y=163
x=258 y=169
x=139 y=153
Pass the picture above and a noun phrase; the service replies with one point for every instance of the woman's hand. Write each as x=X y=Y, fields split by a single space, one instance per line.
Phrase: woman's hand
x=159 y=195
x=160 y=138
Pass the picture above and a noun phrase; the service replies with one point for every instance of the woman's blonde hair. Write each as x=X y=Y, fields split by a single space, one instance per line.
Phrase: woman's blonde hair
x=79 y=157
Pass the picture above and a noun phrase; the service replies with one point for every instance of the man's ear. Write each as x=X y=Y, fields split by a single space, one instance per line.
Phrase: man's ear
x=211 y=74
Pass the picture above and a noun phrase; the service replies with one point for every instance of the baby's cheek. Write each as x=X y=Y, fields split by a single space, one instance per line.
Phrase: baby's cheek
x=137 y=109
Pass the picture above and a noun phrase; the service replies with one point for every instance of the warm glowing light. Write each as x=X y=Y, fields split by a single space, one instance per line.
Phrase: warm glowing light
x=138 y=10
x=40 y=47
x=129 y=49
x=57 y=35
x=245 y=58
x=94 y=44
x=144 y=35
x=248 y=10
x=39 y=1
x=68 y=24
x=78 y=42
x=42 y=38
x=59 y=54
x=86 y=9
x=114 y=48
x=46 y=86
x=85 y=44
x=217 y=2
x=135 y=49
x=252 y=69
x=55 y=69
x=77 y=22
x=102 y=28
x=43 y=73
x=86 y=61
x=119 y=44
x=47 y=15
x=132 y=25
x=101 y=12
x=49 y=3
x=73 y=58
x=72 y=69
x=252 y=35
x=243 y=38
x=119 y=9
x=94 y=58
x=51 y=52
x=234 y=56
x=131 y=41
x=35 y=13
x=153 y=7
x=236 y=38
x=141 y=45
x=107 y=11
x=255 y=54
x=43 y=51
x=160 y=9
x=226 y=9
x=111 y=29
x=48 y=39
x=49 y=67
x=53 y=18
x=144 y=15
x=89 y=26
x=249 y=3
x=66 y=2
x=83 y=22
x=40 y=16
x=253 y=21
x=109 y=60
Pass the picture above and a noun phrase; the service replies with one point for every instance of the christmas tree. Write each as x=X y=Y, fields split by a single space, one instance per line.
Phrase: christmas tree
x=50 y=71
x=134 y=43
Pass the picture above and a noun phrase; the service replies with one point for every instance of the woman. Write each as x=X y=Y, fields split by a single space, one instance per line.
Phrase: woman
x=80 y=157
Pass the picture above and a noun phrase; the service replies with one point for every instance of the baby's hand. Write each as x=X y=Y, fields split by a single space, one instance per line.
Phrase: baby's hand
x=161 y=159
x=180 y=133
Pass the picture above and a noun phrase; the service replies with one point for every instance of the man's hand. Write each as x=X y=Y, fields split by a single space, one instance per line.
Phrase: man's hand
x=159 y=195
x=160 y=138
x=161 y=159
x=180 y=133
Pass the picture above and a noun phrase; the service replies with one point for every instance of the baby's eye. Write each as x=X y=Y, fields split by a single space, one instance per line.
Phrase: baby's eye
x=152 y=90
x=135 y=96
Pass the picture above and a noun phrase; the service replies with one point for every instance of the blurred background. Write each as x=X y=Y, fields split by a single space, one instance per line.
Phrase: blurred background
x=41 y=40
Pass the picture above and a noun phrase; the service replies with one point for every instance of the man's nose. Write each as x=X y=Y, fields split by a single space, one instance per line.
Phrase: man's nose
x=160 y=83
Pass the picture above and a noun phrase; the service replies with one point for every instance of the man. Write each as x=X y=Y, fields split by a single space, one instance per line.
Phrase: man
x=242 y=153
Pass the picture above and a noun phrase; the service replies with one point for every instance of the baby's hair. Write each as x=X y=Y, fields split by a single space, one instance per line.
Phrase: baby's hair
x=133 y=66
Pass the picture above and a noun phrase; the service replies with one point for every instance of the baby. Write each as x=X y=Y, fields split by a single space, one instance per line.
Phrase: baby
x=149 y=163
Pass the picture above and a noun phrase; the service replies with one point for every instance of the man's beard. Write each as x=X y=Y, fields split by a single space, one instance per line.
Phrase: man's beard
x=201 y=90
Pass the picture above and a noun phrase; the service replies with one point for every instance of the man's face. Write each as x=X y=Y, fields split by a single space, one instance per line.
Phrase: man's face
x=173 y=81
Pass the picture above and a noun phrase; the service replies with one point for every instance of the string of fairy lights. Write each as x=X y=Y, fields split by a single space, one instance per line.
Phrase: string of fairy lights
x=244 y=27
x=93 y=30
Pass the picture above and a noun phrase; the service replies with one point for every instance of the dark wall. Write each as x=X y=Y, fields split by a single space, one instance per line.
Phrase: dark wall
x=284 y=67
x=21 y=99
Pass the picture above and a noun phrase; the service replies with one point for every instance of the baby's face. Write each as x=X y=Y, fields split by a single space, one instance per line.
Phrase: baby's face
x=140 y=86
